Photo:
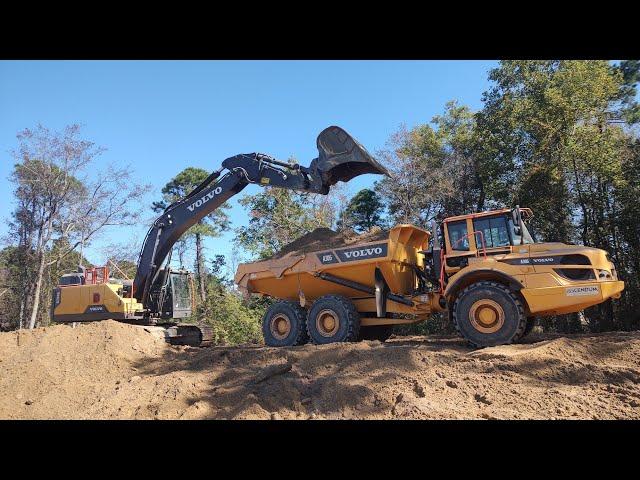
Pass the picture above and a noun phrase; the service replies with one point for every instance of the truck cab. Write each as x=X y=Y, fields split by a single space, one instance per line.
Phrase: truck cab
x=495 y=232
x=493 y=272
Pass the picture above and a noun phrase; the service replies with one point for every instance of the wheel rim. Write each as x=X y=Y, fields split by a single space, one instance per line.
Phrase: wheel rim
x=486 y=316
x=280 y=326
x=327 y=323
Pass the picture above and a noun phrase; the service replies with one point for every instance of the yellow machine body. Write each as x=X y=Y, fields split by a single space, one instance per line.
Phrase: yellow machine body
x=295 y=277
x=87 y=303
x=554 y=278
x=542 y=272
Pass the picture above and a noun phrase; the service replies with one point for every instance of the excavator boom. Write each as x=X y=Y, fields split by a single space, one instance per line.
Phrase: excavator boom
x=163 y=293
x=340 y=158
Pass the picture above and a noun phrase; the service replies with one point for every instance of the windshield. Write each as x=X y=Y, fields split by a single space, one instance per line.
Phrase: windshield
x=492 y=232
x=458 y=235
x=181 y=297
x=517 y=239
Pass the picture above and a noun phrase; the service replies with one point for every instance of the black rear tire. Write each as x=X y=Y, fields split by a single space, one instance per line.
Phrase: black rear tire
x=285 y=325
x=376 y=332
x=333 y=318
x=488 y=314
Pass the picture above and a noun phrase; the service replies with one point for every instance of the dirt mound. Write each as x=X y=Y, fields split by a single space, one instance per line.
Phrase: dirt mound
x=113 y=370
x=59 y=371
x=325 y=238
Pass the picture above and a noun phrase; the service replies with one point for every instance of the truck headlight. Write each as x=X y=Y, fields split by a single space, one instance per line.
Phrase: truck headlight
x=604 y=275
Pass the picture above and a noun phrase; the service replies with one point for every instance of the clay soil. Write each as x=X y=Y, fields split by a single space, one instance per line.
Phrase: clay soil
x=109 y=370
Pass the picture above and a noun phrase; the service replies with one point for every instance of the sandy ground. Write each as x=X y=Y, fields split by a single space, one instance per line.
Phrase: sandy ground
x=117 y=371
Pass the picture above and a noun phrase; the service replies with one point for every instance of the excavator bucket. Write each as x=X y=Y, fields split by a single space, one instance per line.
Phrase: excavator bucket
x=343 y=158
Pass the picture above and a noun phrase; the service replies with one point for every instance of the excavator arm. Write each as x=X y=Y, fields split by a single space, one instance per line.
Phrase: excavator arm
x=340 y=158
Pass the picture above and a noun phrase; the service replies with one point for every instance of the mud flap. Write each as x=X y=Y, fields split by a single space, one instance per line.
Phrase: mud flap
x=382 y=291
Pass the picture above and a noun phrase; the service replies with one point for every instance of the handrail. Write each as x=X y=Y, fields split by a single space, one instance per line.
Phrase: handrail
x=484 y=248
x=443 y=257
x=96 y=275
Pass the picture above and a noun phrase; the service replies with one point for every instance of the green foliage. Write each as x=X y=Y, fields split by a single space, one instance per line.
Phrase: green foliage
x=625 y=238
x=278 y=217
x=629 y=111
x=16 y=267
x=434 y=169
x=218 y=263
x=179 y=187
x=437 y=324
x=553 y=136
x=233 y=320
x=541 y=121
x=363 y=212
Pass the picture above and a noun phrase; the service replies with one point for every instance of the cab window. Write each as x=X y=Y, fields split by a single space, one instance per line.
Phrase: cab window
x=70 y=279
x=181 y=293
x=494 y=230
x=457 y=235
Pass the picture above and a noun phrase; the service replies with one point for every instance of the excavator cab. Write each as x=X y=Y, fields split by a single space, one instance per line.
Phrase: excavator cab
x=181 y=293
x=172 y=294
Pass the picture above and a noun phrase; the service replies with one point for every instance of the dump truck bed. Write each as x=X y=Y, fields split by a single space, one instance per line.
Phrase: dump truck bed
x=298 y=276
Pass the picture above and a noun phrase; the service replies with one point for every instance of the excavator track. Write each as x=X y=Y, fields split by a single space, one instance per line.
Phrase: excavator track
x=193 y=335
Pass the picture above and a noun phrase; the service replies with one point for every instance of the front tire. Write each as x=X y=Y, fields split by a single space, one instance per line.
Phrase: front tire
x=488 y=314
x=284 y=325
x=531 y=322
x=333 y=318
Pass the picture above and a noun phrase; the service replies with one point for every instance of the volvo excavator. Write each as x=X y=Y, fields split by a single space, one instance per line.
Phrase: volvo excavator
x=159 y=292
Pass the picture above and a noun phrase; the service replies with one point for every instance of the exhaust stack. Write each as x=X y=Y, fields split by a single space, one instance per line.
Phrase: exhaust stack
x=436 y=258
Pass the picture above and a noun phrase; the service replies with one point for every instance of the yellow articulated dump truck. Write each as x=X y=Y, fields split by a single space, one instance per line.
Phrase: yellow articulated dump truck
x=485 y=269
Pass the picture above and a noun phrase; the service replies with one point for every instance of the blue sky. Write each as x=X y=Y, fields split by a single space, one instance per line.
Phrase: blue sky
x=162 y=116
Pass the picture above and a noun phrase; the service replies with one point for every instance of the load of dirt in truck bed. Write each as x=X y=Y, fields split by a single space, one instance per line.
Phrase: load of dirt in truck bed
x=325 y=239
x=110 y=370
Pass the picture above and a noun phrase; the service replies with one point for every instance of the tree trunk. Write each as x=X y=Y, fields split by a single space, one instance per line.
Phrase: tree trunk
x=21 y=319
x=24 y=301
x=200 y=268
x=36 y=294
